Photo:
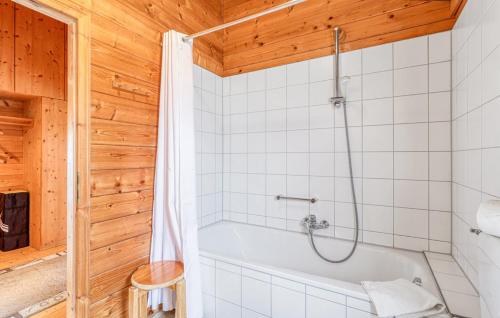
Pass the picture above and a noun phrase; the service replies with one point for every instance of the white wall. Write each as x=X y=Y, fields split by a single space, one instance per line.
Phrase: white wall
x=281 y=136
x=476 y=128
x=208 y=126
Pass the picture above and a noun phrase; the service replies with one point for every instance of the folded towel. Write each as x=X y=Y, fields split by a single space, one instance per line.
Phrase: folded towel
x=488 y=217
x=403 y=299
x=489 y=272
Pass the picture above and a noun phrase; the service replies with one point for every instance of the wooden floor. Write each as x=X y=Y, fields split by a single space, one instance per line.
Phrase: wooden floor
x=25 y=255
x=57 y=311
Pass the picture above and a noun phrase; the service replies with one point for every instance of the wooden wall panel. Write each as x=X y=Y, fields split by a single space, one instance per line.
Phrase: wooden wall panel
x=120 y=37
x=40 y=54
x=305 y=30
x=113 y=281
x=111 y=82
x=113 y=59
x=114 y=305
x=121 y=253
x=117 y=109
x=11 y=159
x=6 y=45
x=122 y=157
x=54 y=174
x=113 y=206
x=11 y=107
x=137 y=22
x=45 y=153
x=188 y=18
x=32 y=152
x=112 y=231
x=110 y=132
x=11 y=148
x=105 y=182
x=126 y=63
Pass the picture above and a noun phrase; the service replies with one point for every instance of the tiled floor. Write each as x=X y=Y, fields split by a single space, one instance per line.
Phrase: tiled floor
x=459 y=294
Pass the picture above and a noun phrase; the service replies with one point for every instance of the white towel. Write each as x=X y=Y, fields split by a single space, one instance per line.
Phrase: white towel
x=488 y=217
x=402 y=298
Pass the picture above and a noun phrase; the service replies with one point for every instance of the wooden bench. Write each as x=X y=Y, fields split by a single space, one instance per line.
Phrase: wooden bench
x=165 y=274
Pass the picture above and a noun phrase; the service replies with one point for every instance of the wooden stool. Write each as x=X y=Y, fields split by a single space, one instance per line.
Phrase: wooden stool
x=166 y=274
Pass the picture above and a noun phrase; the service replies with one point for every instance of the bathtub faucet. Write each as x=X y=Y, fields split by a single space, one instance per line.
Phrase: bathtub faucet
x=311 y=223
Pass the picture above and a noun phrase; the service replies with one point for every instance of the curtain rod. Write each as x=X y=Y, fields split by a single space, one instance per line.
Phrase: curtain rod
x=250 y=17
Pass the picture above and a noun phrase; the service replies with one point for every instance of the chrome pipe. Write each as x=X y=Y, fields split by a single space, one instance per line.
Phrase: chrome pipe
x=282 y=197
x=337 y=100
x=337 y=61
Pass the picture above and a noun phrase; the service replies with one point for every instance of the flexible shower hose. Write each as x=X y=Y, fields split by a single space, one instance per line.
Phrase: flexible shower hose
x=356 y=221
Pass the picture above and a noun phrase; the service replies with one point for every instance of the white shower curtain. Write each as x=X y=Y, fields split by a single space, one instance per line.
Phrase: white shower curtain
x=175 y=229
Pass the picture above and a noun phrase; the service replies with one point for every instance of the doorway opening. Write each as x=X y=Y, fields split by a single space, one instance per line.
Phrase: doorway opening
x=37 y=166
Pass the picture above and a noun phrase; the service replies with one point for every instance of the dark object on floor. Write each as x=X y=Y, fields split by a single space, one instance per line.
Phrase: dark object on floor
x=14 y=220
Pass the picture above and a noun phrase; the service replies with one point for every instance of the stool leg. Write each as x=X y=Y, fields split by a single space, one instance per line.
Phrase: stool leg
x=143 y=303
x=133 y=302
x=137 y=303
x=180 y=304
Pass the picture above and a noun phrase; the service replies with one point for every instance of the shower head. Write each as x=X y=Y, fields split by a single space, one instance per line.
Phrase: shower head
x=338 y=101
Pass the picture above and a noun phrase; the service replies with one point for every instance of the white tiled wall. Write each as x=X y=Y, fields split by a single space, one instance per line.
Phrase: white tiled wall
x=282 y=136
x=476 y=122
x=208 y=126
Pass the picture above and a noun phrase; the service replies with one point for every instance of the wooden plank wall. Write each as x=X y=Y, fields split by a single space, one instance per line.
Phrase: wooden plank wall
x=32 y=53
x=54 y=171
x=32 y=150
x=11 y=148
x=45 y=153
x=305 y=31
x=126 y=46
x=40 y=54
x=6 y=45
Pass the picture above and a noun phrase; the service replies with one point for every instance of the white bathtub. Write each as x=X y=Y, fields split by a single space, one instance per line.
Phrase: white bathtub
x=257 y=272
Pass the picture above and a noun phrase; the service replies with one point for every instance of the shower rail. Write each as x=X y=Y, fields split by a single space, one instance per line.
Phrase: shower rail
x=244 y=19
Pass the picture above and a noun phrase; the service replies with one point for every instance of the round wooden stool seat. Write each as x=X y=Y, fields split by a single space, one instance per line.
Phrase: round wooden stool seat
x=158 y=275
x=164 y=274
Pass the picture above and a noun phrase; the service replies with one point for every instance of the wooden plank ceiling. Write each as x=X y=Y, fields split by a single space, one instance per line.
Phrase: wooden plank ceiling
x=305 y=30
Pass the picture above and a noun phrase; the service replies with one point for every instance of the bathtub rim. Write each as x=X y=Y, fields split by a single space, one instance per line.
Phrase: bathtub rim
x=354 y=290
x=330 y=284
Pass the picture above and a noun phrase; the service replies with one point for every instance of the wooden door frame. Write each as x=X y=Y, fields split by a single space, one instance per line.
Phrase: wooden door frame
x=76 y=15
